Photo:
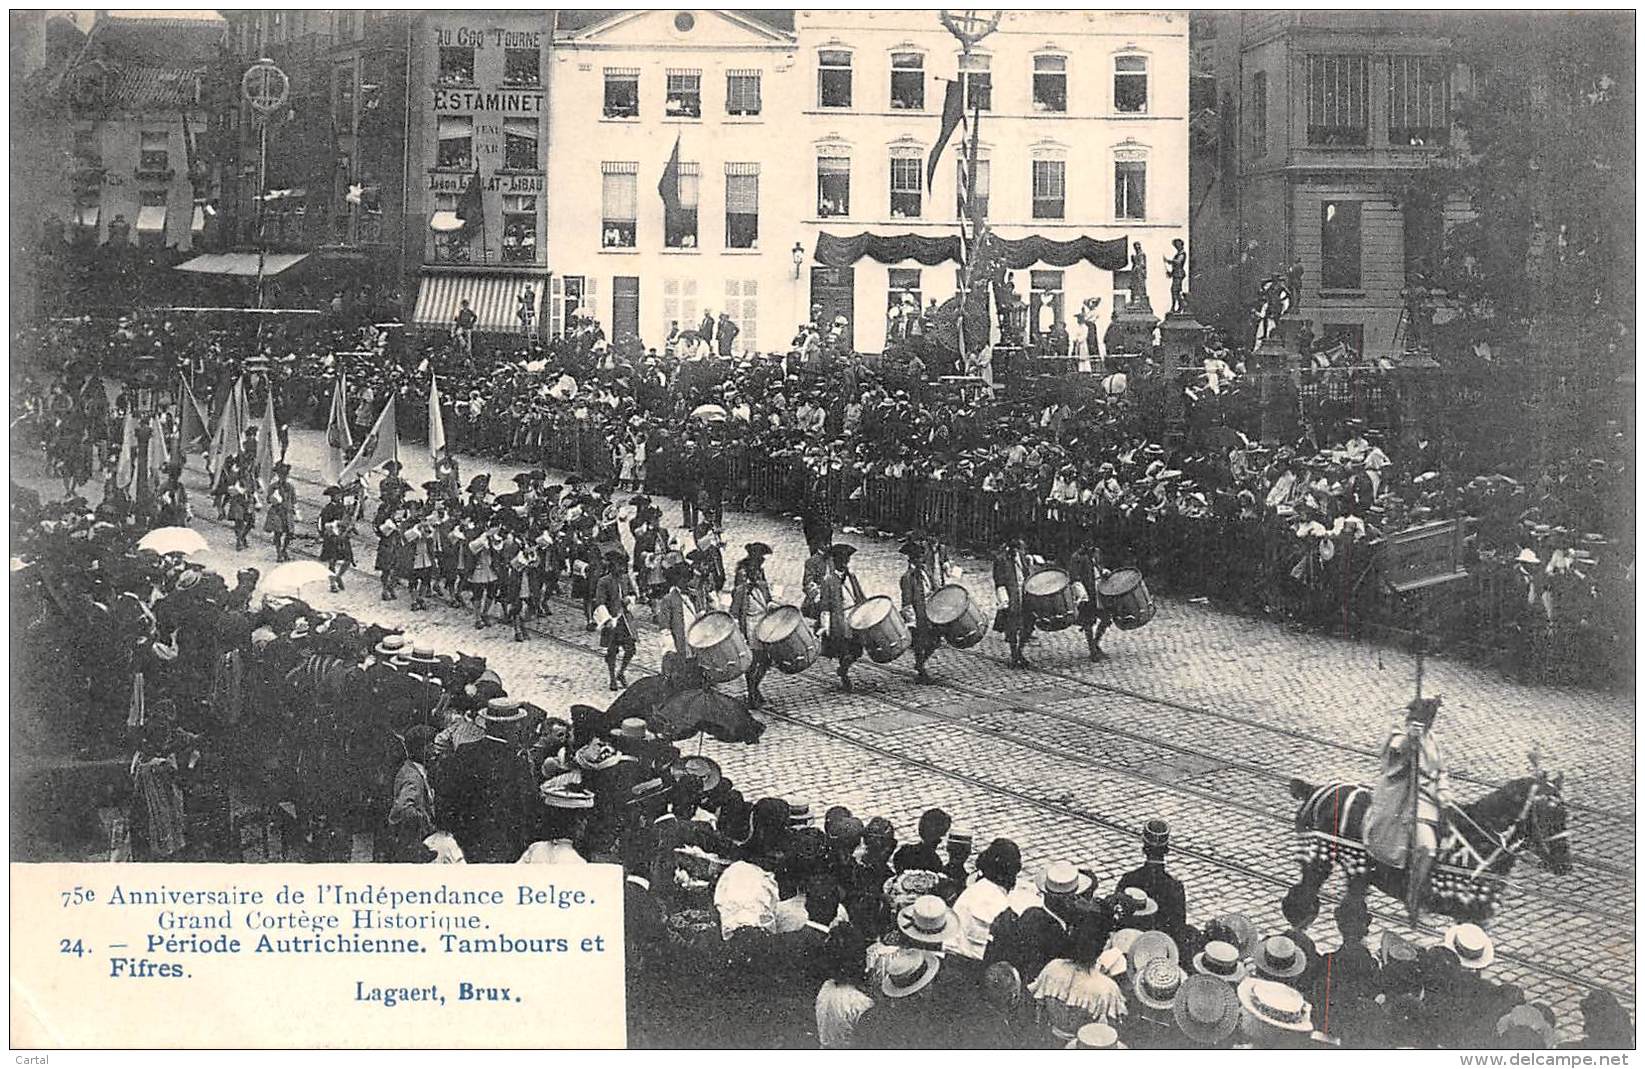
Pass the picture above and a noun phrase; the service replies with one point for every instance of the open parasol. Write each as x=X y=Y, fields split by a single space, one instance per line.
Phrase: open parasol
x=709 y=413
x=705 y=709
x=163 y=540
x=288 y=579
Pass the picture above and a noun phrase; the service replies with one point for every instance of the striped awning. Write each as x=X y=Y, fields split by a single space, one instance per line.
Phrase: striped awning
x=494 y=297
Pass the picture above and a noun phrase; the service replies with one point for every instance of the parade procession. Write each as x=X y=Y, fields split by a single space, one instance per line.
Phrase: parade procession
x=1124 y=539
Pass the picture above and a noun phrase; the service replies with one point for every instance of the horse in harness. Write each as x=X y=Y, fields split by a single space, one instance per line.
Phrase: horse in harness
x=1478 y=846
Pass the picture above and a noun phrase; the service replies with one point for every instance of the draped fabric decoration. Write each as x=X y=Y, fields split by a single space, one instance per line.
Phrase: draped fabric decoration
x=930 y=250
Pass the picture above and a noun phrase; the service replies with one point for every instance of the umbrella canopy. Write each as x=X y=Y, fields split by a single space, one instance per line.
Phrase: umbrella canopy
x=707 y=710
x=709 y=413
x=165 y=540
x=289 y=578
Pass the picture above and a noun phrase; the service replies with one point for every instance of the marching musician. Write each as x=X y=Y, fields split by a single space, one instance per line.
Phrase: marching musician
x=1404 y=824
x=678 y=610
x=614 y=594
x=917 y=586
x=839 y=593
x=337 y=535
x=1012 y=567
x=1087 y=570
x=423 y=542
x=750 y=597
x=282 y=516
x=816 y=570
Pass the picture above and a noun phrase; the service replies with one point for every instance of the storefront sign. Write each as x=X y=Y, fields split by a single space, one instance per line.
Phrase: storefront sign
x=512 y=101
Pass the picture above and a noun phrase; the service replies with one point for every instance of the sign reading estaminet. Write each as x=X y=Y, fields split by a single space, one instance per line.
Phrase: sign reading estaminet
x=317 y=955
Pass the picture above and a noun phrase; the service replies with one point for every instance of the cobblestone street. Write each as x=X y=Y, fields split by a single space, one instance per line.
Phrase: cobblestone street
x=1200 y=717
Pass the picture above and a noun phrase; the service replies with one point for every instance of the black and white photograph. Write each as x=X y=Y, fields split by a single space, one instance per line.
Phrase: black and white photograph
x=1182 y=599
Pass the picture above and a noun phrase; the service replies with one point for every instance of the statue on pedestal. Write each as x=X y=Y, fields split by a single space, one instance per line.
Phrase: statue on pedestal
x=1139 y=279
x=1176 y=269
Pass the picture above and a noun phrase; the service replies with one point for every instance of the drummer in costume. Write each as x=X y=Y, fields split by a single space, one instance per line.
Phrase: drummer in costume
x=840 y=593
x=917 y=586
x=1087 y=569
x=816 y=570
x=485 y=572
x=1012 y=567
x=337 y=535
x=677 y=610
x=750 y=597
x=423 y=551
x=614 y=595
x=1405 y=823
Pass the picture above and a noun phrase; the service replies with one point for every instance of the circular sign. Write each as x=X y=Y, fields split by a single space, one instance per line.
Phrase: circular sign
x=265 y=87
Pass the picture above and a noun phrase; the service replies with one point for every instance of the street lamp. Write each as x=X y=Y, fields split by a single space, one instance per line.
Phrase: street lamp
x=799 y=258
x=145 y=389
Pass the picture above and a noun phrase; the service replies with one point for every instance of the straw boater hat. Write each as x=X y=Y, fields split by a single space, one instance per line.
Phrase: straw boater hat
x=1221 y=961
x=1279 y=959
x=1096 y=1037
x=1471 y=945
x=1062 y=878
x=928 y=921
x=392 y=646
x=907 y=971
x=632 y=727
x=423 y=655
x=1275 y=1005
x=1145 y=906
x=1206 y=1010
x=1152 y=946
x=1156 y=986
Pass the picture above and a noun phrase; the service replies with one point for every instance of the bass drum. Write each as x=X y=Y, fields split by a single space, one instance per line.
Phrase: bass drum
x=880 y=628
x=719 y=647
x=787 y=639
x=1126 y=597
x=1052 y=599
x=956 y=617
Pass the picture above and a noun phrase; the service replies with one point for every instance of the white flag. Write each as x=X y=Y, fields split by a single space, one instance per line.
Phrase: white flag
x=436 y=420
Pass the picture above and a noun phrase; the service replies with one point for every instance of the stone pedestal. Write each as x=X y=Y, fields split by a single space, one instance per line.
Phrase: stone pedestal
x=1290 y=335
x=1132 y=331
x=1272 y=364
x=1181 y=336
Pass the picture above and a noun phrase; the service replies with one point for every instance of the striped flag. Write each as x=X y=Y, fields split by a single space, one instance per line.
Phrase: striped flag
x=339 y=437
x=381 y=446
x=436 y=419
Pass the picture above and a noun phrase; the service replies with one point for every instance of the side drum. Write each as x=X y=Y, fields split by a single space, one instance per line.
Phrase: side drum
x=719 y=647
x=1052 y=599
x=1125 y=595
x=880 y=628
x=788 y=639
x=956 y=617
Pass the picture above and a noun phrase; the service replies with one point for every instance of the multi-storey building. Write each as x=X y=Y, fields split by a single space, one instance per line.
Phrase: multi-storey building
x=137 y=105
x=720 y=87
x=1325 y=118
x=478 y=118
x=327 y=189
x=1083 y=132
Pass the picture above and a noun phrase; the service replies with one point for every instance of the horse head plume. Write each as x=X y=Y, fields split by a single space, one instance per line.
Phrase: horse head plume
x=1535 y=758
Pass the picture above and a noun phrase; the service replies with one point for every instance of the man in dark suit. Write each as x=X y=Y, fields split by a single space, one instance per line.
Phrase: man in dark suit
x=726 y=335
x=917 y=586
x=1164 y=888
x=1041 y=933
x=706 y=329
x=411 y=815
x=484 y=789
x=1011 y=571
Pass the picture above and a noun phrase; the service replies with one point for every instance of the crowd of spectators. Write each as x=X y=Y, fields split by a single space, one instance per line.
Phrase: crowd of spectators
x=1279 y=521
x=752 y=922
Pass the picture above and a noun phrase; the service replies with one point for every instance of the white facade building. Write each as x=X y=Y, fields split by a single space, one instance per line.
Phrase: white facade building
x=625 y=90
x=1084 y=131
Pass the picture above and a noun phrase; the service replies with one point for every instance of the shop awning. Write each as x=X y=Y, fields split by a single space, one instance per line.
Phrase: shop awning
x=242 y=264
x=929 y=249
x=151 y=219
x=494 y=297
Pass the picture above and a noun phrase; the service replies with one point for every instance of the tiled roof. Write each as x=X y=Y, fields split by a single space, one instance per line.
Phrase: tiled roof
x=151 y=87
